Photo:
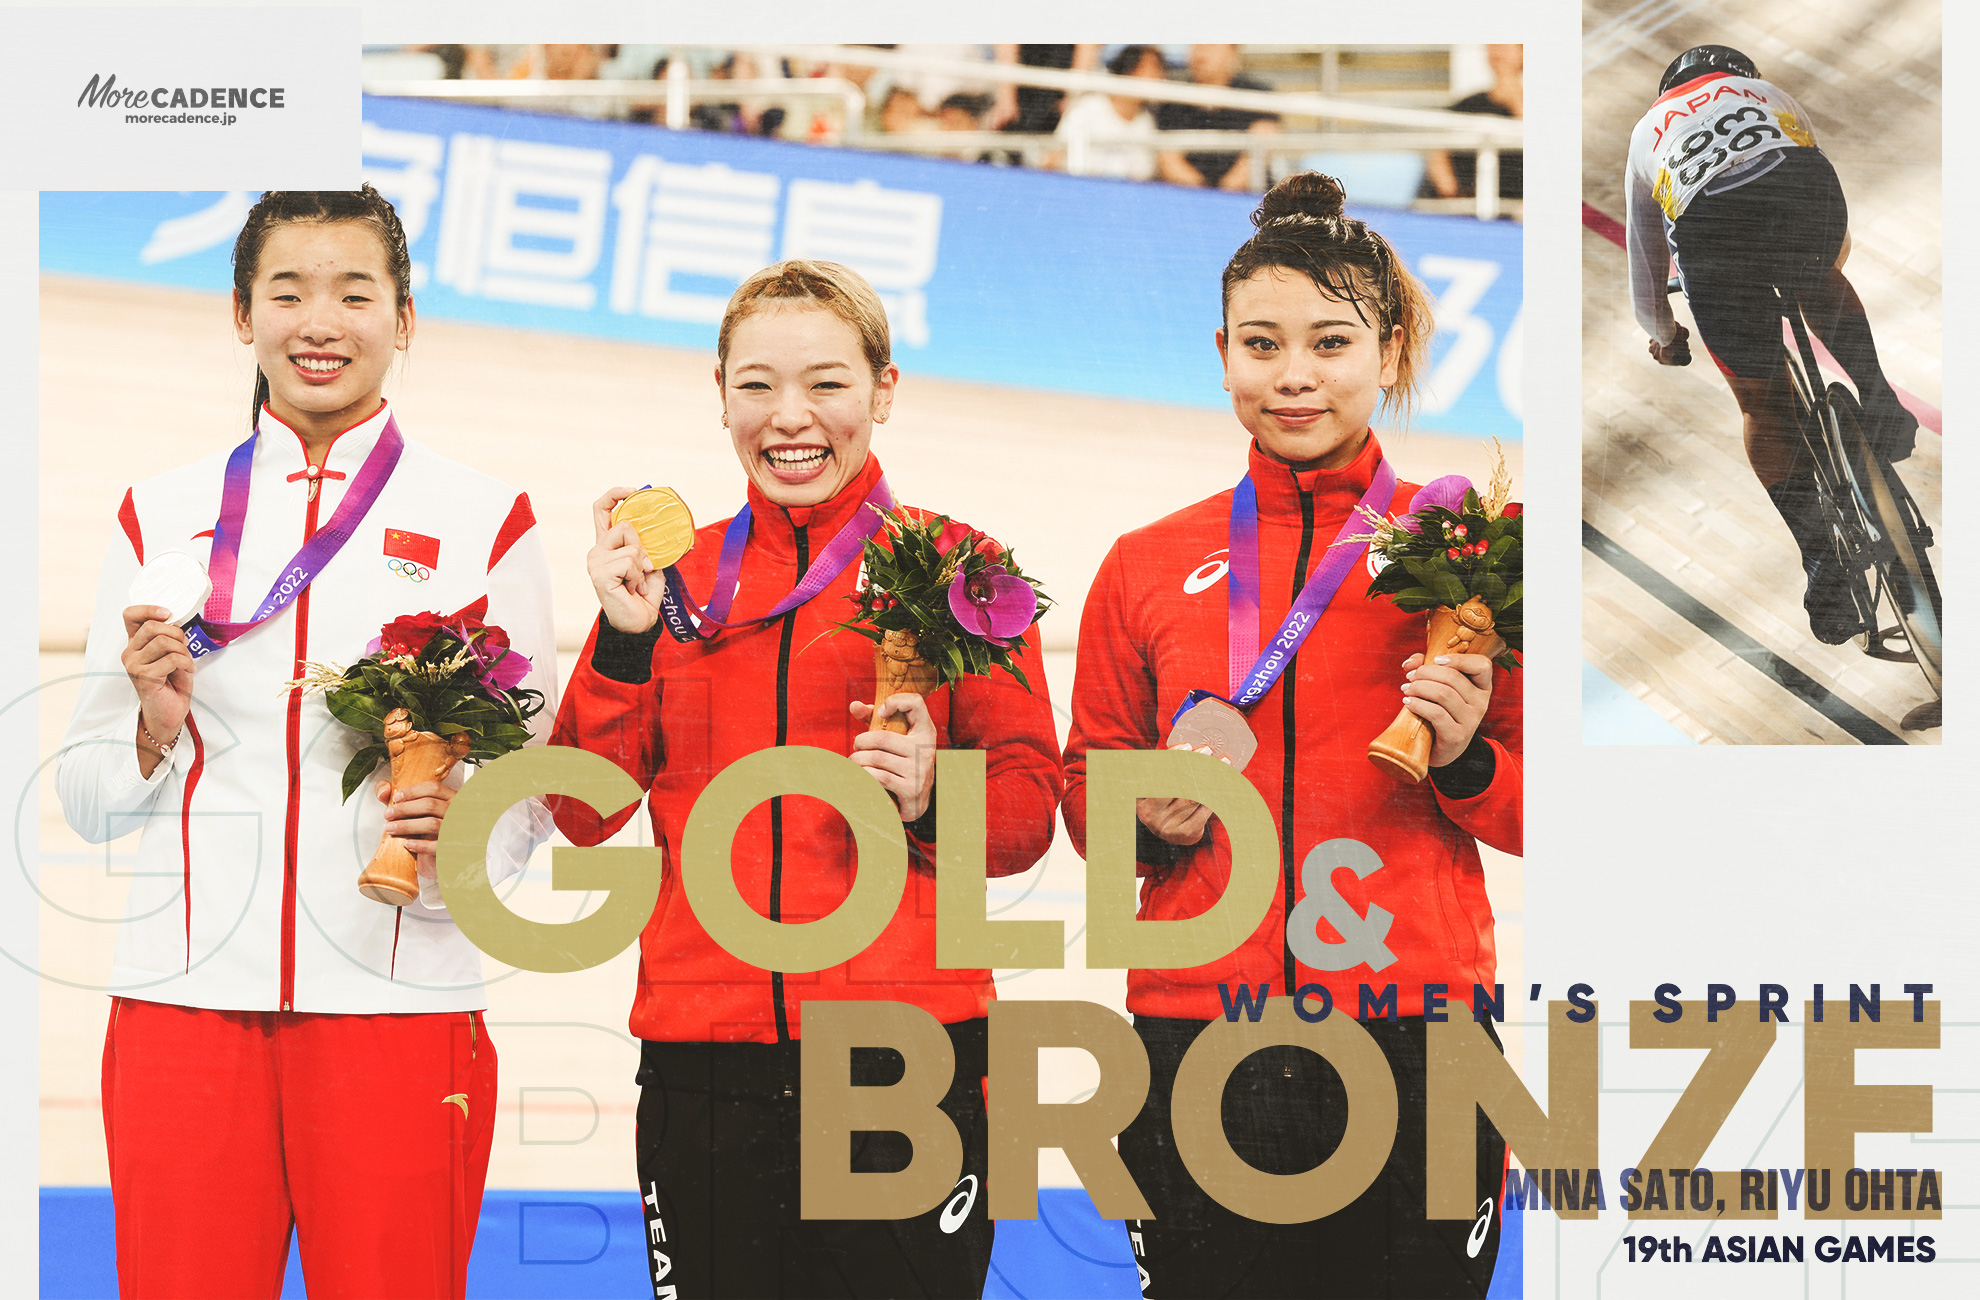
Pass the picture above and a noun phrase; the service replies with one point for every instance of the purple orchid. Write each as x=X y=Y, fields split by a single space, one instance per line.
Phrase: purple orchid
x=992 y=604
x=501 y=670
x=1447 y=492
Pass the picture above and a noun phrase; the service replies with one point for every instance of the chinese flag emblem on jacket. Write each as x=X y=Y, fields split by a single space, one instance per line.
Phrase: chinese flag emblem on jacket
x=417 y=547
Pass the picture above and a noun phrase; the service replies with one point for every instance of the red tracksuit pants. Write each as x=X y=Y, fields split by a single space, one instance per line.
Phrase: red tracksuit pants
x=226 y=1129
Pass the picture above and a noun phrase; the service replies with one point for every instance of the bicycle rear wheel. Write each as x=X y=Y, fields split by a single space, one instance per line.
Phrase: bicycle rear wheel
x=1899 y=538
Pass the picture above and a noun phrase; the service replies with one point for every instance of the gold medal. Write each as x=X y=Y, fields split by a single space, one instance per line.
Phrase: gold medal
x=663 y=523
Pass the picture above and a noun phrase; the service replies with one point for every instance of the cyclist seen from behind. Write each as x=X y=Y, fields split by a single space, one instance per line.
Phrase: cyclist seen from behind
x=1725 y=178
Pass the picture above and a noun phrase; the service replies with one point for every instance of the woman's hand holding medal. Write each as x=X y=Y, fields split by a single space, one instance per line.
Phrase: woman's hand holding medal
x=904 y=765
x=160 y=665
x=1451 y=696
x=629 y=586
x=1181 y=822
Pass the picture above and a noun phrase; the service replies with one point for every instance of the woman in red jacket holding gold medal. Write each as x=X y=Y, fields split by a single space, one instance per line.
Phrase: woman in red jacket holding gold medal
x=1322 y=323
x=805 y=372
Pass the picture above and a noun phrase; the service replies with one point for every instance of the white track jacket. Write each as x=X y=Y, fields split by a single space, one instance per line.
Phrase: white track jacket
x=244 y=895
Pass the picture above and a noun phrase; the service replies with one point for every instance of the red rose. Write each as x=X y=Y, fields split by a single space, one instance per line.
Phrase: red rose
x=990 y=549
x=409 y=633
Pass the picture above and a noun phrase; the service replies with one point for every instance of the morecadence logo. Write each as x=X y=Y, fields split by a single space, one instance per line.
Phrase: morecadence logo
x=102 y=92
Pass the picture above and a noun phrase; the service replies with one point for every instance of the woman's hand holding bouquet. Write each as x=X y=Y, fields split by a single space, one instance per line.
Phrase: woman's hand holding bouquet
x=433 y=690
x=934 y=615
x=1457 y=557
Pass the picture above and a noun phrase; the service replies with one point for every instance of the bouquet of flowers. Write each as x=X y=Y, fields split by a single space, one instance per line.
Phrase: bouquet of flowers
x=1456 y=555
x=433 y=690
x=936 y=616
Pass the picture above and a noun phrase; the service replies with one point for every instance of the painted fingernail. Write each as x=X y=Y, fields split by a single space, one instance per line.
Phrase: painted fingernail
x=1443 y=659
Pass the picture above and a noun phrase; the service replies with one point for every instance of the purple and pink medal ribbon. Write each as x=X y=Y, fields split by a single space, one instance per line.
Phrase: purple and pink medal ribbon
x=689 y=622
x=212 y=630
x=1248 y=685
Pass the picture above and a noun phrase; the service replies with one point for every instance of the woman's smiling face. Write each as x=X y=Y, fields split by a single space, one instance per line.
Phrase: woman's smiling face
x=800 y=401
x=1305 y=369
x=324 y=321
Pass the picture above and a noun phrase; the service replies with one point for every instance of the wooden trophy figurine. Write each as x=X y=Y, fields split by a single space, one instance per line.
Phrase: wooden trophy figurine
x=898 y=667
x=418 y=757
x=1403 y=750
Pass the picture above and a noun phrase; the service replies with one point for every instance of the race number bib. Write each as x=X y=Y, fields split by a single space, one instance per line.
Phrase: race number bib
x=1723 y=124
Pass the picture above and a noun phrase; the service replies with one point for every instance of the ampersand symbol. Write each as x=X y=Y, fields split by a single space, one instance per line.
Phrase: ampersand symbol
x=1361 y=937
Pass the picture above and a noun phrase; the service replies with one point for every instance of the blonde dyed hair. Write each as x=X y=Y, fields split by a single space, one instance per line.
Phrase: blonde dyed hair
x=837 y=288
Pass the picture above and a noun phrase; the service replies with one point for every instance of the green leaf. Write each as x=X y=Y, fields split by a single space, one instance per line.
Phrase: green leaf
x=356 y=710
x=1449 y=589
x=362 y=765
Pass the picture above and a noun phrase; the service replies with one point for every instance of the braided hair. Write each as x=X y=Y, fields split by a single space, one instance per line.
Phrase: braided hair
x=1303 y=226
x=319 y=207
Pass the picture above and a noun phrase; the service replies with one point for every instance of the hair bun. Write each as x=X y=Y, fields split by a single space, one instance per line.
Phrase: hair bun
x=1303 y=196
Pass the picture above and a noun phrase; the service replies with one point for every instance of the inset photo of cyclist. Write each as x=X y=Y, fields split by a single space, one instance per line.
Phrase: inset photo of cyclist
x=1761 y=449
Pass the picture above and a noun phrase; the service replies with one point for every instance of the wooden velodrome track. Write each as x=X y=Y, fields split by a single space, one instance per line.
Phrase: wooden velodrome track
x=1691 y=588
x=1056 y=477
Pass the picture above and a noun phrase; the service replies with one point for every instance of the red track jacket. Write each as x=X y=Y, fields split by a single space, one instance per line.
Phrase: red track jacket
x=1156 y=627
x=787 y=683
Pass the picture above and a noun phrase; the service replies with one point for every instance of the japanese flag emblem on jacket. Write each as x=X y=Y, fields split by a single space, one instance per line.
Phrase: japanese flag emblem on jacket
x=414 y=555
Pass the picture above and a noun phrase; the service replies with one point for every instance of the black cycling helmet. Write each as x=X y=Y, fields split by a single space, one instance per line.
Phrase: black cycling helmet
x=1700 y=59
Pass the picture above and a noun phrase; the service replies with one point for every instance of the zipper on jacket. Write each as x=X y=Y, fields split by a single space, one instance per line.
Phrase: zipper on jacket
x=292 y=829
x=1286 y=714
x=777 y=805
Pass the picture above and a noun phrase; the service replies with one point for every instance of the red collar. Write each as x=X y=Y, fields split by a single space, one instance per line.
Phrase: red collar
x=1333 y=490
x=774 y=528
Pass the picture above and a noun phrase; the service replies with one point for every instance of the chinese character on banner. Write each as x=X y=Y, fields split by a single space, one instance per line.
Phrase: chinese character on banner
x=405 y=167
x=888 y=236
x=705 y=221
x=196 y=232
x=523 y=222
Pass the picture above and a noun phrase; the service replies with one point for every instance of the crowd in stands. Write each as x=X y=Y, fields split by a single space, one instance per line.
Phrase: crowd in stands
x=1093 y=133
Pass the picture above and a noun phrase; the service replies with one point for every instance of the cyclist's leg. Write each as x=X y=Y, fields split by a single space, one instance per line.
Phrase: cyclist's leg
x=1837 y=317
x=1773 y=446
x=1833 y=310
x=1774 y=450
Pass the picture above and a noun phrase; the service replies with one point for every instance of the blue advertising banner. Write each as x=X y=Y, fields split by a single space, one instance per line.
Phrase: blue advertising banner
x=991 y=274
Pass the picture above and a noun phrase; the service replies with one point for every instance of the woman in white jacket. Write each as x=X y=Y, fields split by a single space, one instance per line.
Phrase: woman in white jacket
x=283 y=1053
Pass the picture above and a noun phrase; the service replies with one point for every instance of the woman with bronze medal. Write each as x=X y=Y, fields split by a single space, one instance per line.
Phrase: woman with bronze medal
x=715 y=644
x=1322 y=324
x=286 y=1054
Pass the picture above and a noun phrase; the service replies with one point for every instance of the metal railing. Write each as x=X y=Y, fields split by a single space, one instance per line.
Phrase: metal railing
x=660 y=95
x=1419 y=129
